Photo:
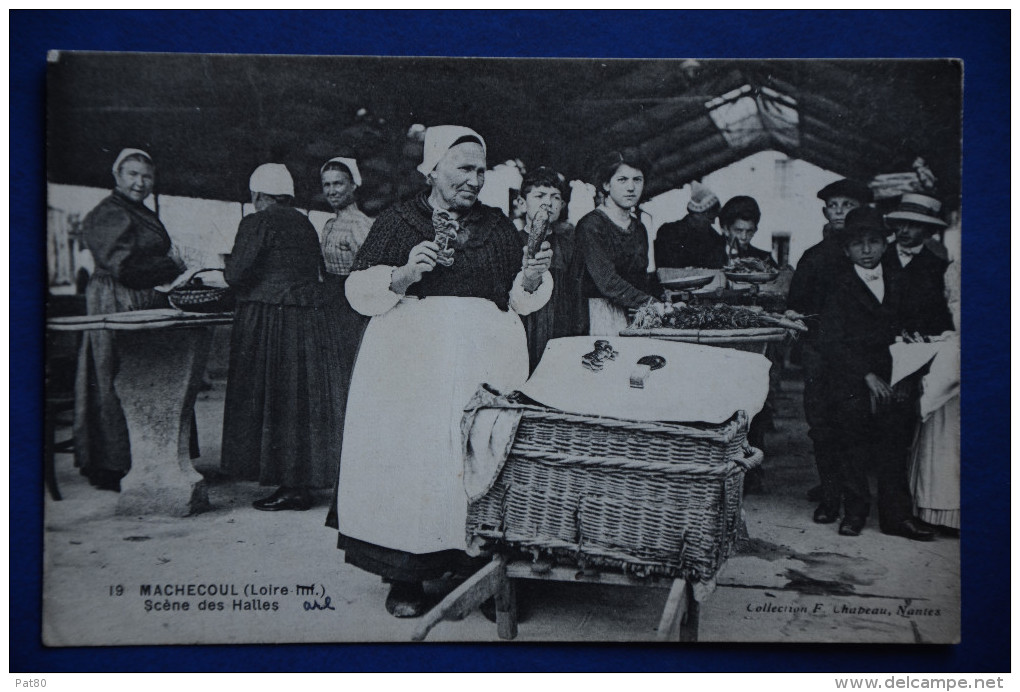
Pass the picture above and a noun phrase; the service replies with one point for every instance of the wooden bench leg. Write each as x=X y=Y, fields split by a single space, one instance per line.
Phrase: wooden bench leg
x=679 y=620
x=689 y=626
x=506 y=607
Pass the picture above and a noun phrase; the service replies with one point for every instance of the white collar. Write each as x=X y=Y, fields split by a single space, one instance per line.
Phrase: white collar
x=869 y=275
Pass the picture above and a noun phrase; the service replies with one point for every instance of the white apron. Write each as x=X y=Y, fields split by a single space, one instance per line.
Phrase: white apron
x=401 y=474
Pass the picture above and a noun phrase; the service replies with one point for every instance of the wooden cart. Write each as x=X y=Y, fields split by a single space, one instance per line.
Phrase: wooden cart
x=679 y=620
x=608 y=501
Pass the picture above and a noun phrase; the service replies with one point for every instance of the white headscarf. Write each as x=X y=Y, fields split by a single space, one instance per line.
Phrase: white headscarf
x=439 y=140
x=125 y=153
x=350 y=164
x=272 y=179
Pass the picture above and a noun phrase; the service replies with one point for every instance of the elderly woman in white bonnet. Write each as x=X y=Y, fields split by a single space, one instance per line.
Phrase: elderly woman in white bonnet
x=130 y=248
x=284 y=402
x=445 y=280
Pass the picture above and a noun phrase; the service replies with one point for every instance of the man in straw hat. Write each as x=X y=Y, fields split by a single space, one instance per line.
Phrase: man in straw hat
x=915 y=220
x=693 y=241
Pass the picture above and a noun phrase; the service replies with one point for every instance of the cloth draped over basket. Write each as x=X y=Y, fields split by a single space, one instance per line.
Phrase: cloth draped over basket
x=698 y=383
x=617 y=483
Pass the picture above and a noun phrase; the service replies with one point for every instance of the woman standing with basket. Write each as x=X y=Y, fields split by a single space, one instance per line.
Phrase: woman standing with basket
x=284 y=401
x=444 y=279
x=130 y=247
x=611 y=260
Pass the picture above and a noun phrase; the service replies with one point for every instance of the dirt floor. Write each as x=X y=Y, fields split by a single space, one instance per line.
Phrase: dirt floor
x=124 y=580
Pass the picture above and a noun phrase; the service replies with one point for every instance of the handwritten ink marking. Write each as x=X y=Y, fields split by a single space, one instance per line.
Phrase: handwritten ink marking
x=315 y=605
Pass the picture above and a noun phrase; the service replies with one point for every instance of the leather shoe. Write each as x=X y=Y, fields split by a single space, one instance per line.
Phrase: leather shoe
x=825 y=514
x=284 y=499
x=406 y=600
x=910 y=528
x=851 y=526
x=105 y=479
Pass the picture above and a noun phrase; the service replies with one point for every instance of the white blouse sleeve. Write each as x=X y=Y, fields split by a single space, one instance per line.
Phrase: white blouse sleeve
x=524 y=303
x=368 y=291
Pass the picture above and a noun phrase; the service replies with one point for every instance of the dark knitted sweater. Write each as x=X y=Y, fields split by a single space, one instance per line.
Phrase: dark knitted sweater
x=488 y=253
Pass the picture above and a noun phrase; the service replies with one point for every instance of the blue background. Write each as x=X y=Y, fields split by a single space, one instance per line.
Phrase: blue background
x=981 y=39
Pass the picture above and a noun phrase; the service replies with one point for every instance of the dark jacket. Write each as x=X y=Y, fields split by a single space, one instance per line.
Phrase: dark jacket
x=612 y=263
x=818 y=269
x=488 y=250
x=754 y=253
x=690 y=242
x=855 y=334
x=129 y=243
x=922 y=291
x=276 y=259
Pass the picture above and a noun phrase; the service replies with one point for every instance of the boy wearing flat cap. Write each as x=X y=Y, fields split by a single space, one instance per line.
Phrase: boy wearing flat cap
x=812 y=282
x=872 y=421
x=923 y=288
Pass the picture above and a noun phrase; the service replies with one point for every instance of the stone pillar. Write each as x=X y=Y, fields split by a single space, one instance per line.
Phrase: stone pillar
x=157 y=381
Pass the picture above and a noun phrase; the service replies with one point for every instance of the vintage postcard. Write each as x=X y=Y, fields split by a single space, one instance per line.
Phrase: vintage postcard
x=372 y=349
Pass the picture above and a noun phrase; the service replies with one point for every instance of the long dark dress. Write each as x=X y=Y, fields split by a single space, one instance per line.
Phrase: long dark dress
x=609 y=263
x=129 y=246
x=283 y=414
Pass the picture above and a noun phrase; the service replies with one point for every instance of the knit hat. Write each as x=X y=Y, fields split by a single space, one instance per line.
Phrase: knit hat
x=439 y=140
x=125 y=153
x=921 y=208
x=702 y=198
x=350 y=164
x=272 y=179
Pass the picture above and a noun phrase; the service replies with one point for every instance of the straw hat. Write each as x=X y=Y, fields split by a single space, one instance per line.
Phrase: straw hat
x=920 y=208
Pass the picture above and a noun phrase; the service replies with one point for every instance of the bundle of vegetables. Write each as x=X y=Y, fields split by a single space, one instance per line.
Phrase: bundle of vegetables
x=718 y=316
x=749 y=265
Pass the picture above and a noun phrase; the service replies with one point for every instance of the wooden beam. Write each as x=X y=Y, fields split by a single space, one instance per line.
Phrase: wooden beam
x=680 y=135
x=478 y=588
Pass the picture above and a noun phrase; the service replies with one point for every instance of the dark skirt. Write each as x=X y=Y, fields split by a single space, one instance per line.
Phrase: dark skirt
x=396 y=565
x=284 y=408
x=100 y=430
x=350 y=323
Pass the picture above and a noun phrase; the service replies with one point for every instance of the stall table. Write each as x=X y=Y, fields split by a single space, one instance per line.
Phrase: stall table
x=161 y=358
x=754 y=340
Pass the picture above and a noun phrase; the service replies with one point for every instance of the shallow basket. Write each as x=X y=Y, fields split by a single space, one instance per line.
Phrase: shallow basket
x=652 y=499
x=194 y=296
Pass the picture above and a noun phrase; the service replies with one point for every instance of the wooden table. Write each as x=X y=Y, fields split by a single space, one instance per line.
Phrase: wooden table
x=679 y=620
x=162 y=355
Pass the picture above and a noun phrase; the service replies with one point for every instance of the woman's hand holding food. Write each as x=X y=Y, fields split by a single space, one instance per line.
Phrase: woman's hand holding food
x=535 y=267
x=421 y=259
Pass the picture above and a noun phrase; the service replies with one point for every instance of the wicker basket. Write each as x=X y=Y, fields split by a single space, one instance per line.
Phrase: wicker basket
x=194 y=296
x=652 y=499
